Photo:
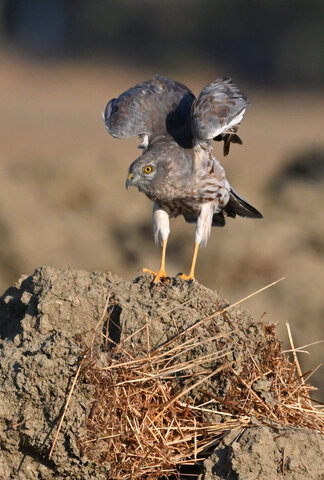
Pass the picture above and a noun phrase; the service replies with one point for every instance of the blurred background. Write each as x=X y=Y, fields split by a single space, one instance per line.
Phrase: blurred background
x=63 y=200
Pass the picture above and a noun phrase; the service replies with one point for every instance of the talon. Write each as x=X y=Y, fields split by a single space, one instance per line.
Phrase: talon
x=189 y=278
x=160 y=275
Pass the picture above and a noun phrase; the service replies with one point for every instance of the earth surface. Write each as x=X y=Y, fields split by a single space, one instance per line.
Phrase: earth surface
x=45 y=321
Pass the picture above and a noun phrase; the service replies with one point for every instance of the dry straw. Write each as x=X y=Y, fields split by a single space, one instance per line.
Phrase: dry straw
x=152 y=413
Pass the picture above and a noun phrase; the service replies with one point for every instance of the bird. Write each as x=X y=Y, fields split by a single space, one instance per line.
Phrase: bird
x=177 y=169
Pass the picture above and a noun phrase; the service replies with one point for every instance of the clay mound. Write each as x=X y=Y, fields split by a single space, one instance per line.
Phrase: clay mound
x=56 y=319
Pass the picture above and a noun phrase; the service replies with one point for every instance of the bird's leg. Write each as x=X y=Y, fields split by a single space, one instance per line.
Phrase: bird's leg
x=161 y=274
x=161 y=230
x=204 y=223
x=191 y=275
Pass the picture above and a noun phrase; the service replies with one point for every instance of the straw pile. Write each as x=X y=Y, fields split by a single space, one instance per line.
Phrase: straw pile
x=154 y=411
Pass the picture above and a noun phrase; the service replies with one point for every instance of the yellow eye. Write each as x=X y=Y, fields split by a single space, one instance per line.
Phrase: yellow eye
x=148 y=169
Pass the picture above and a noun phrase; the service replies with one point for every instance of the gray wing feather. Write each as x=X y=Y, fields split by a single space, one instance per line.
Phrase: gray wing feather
x=144 y=108
x=219 y=108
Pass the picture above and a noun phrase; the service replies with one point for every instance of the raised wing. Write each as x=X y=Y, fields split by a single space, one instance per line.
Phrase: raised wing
x=217 y=112
x=151 y=108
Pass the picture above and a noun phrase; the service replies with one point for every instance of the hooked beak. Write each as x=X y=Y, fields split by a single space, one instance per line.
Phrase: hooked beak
x=129 y=181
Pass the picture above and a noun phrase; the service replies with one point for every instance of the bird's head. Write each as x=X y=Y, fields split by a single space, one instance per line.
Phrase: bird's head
x=146 y=173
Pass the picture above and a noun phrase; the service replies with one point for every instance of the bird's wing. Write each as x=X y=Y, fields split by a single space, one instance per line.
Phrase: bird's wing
x=238 y=206
x=219 y=107
x=150 y=108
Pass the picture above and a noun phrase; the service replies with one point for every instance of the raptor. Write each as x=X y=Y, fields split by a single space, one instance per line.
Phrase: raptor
x=177 y=169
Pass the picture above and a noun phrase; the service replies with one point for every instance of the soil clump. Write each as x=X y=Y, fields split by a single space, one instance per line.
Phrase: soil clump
x=47 y=324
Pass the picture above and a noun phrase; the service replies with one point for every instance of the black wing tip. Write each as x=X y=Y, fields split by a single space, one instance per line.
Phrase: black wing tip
x=218 y=220
x=226 y=146
x=257 y=214
x=236 y=139
x=252 y=212
x=228 y=138
x=232 y=138
x=238 y=206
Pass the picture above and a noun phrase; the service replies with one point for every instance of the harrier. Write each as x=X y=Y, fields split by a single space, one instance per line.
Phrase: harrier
x=177 y=169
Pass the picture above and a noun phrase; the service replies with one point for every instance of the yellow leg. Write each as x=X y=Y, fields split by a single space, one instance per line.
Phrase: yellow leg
x=191 y=275
x=161 y=274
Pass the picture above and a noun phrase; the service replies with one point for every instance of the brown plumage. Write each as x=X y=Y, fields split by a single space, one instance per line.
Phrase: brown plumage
x=177 y=169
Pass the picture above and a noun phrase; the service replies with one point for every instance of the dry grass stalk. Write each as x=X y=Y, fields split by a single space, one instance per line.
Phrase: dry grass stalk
x=153 y=413
x=144 y=420
x=287 y=400
x=66 y=406
x=294 y=353
x=138 y=423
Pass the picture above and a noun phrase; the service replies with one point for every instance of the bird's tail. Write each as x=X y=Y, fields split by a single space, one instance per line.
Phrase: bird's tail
x=238 y=206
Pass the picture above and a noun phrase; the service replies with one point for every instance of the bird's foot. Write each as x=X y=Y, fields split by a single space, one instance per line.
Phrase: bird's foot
x=189 y=278
x=160 y=275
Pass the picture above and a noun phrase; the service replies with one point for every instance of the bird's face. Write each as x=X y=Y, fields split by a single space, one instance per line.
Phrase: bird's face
x=145 y=173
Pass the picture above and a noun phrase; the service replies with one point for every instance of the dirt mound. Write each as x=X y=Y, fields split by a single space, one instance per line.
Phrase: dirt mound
x=261 y=454
x=46 y=321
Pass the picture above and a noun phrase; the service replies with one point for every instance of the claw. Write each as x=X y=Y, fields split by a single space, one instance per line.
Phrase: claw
x=189 y=278
x=160 y=275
